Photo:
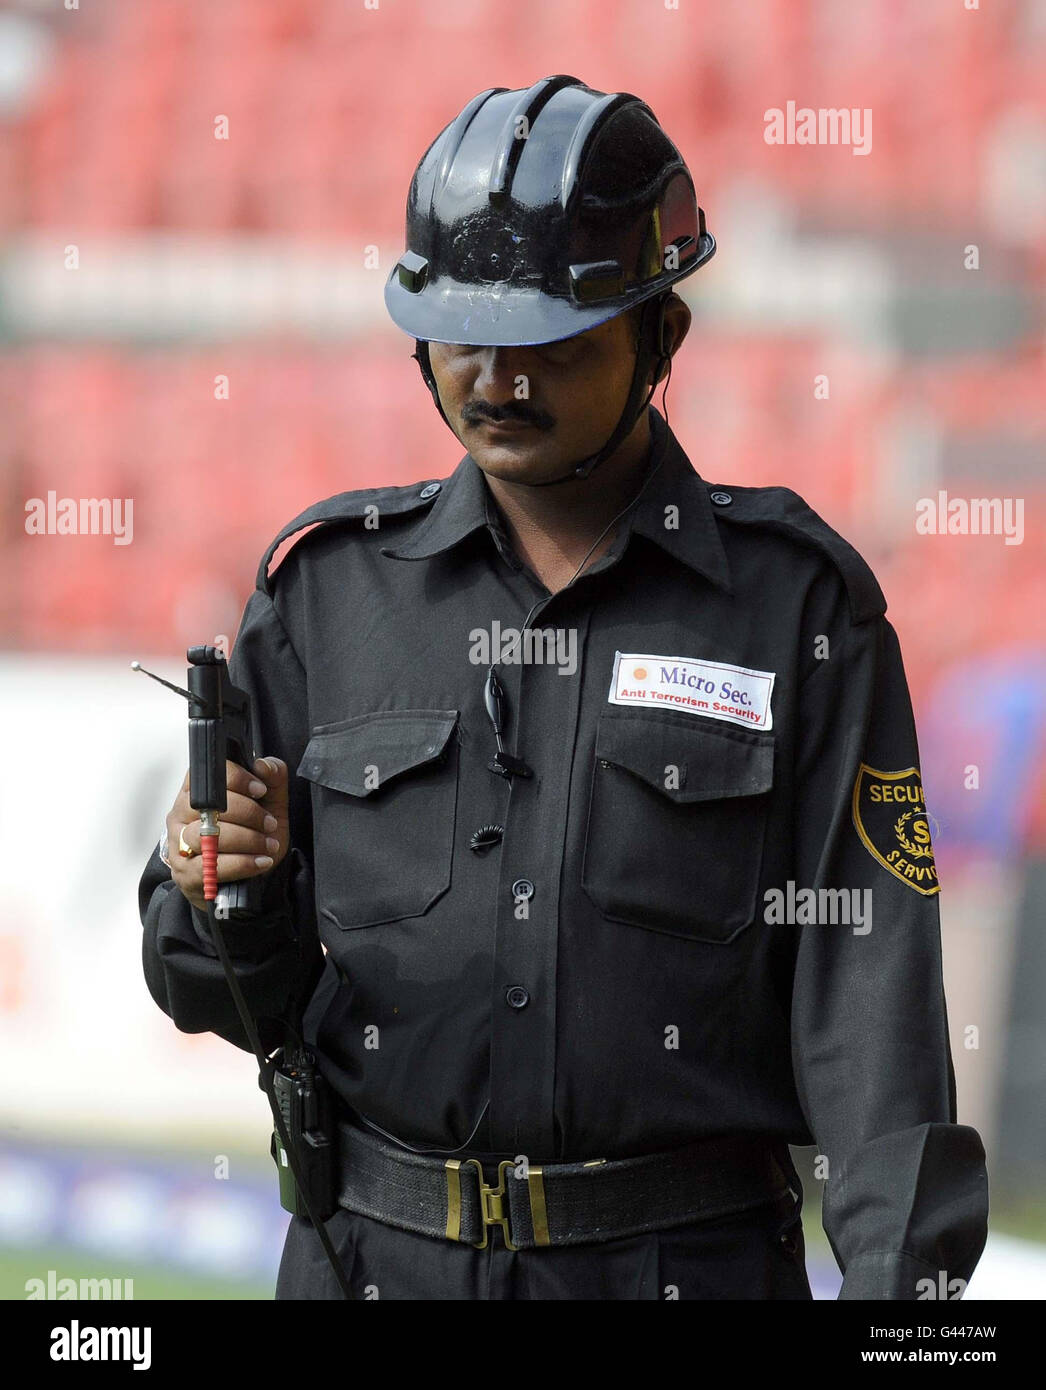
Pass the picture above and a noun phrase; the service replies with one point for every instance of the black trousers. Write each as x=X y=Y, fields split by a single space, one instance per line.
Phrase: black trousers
x=755 y=1254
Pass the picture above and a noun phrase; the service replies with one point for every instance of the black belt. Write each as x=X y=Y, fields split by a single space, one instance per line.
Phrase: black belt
x=554 y=1203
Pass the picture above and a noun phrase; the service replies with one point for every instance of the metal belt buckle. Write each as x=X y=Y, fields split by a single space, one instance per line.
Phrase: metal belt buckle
x=493 y=1206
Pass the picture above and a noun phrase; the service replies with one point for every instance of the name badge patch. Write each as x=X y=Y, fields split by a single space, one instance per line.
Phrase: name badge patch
x=734 y=693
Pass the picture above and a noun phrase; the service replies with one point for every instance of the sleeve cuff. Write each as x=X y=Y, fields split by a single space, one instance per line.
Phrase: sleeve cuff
x=893 y=1274
x=256 y=938
x=923 y=1189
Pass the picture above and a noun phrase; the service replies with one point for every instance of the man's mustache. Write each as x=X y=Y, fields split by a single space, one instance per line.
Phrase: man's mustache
x=478 y=411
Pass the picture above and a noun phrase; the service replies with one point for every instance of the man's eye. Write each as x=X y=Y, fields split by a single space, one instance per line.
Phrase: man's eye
x=557 y=352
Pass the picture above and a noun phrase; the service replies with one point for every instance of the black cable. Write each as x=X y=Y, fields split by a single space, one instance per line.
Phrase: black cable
x=429 y=1149
x=265 y=1069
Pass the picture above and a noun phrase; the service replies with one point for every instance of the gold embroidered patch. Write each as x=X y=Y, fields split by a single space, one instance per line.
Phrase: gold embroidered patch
x=889 y=812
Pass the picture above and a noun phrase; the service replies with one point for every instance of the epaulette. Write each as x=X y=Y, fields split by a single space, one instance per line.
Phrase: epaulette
x=348 y=506
x=781 y=510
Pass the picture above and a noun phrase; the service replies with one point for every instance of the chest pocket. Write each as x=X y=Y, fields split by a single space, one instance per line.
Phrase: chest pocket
x=385 y=791
x=677 y=819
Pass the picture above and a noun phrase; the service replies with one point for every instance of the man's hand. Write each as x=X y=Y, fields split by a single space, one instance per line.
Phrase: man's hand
x=254 y=832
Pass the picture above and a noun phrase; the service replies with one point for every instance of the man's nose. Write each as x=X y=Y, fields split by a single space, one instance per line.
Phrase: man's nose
x=498 y=376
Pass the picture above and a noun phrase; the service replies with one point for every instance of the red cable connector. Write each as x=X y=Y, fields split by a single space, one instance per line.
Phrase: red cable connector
x=209 y=851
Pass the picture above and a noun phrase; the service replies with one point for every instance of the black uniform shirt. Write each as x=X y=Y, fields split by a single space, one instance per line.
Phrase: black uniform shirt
x=720 y=735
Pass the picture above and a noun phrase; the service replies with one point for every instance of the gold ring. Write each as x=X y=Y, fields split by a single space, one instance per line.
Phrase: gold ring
x=183 y=848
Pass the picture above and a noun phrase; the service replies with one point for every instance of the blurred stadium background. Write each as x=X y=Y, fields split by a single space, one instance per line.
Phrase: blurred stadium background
x=143 y=259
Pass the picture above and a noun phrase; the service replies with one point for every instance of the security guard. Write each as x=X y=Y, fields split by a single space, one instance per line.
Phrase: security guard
x=595 y=845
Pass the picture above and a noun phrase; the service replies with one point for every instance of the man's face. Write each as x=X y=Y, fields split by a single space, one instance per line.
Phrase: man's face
x=526 y=413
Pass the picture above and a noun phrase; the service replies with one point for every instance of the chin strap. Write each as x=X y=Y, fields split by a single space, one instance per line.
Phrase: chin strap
x=651 y=352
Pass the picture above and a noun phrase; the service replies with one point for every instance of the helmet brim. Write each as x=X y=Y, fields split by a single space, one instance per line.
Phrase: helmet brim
x=489 y=315
x=503 y=315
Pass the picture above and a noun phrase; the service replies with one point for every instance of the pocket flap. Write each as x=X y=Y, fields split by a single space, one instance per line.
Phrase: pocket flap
x=711 y=763
x=390 y=741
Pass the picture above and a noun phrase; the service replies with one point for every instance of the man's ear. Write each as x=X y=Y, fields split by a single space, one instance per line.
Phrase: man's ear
x=677 y=325
x=678 y=319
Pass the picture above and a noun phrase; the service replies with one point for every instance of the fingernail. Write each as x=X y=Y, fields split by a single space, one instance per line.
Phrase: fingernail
x=263 y=861
x=274 y=767
x=272 y=846
x=257 y=789
x=269 y=824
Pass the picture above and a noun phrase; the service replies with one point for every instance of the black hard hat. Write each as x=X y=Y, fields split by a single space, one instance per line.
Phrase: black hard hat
x=539 y=213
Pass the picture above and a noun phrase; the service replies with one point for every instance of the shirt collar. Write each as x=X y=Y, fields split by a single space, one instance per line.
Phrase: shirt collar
x=690 y=533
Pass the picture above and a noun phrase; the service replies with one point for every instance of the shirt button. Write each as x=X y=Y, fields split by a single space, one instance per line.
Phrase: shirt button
x=721 y=499
x=522 y=888
x=430 y=489
x=517 y=997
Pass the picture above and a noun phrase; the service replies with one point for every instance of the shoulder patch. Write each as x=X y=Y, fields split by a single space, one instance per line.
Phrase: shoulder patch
x=889 y=814
x=344 y=506
x=781 y=510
